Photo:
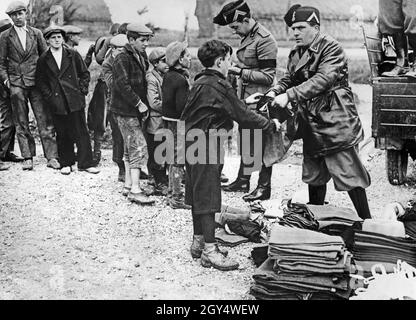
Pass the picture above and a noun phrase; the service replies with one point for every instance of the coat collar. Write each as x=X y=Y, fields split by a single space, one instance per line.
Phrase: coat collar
x=65 y=64
x=210 y=73
x=30 y=41
x=249 y=39
x=137 y=57
x=312 y=49
x=157 y=75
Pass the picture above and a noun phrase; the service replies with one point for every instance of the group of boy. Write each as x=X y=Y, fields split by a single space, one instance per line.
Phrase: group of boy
x=143 y=100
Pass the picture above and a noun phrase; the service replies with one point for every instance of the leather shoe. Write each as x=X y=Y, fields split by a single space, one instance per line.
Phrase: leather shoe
x=397 y=71
x=240 y=185
x=261 y=193
x=140 y=198
x=27 y=165
x=66 y=171
x=54 y=164
x=11 y=157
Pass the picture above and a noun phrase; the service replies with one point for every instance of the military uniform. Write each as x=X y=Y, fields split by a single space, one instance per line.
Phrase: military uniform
x=257 y=57
x=326 y=118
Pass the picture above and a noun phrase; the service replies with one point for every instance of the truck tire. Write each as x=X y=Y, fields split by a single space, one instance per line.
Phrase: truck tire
x=396 y=165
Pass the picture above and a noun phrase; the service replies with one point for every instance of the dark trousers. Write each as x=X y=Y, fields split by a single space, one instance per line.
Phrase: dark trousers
x=7 y=128
x=72 y=129
x=265 y=176
x=153 y=166
x=19 y=101
x=118 y=143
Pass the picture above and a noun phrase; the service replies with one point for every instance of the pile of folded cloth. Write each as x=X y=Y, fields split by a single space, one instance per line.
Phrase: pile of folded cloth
x=371 y=248
x=303 y=264
x=328 y=219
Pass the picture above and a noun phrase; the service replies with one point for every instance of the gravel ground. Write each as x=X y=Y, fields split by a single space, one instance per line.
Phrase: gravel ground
x=76 y=237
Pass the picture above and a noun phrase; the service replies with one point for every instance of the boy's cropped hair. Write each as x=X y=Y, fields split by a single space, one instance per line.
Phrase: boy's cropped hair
x=212 y=50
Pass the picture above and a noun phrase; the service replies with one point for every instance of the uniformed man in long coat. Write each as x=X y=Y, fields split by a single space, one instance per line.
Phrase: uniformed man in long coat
x=316 y=85
x=256 y=70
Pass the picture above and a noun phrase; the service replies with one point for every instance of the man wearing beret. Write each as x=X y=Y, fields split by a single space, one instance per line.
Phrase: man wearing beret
x=316 y=85
x=20 y=48
x=154 y=79
x=397 y=18
x=7 y=128
x=63 y=79
x=129 y=104
x=256 y=72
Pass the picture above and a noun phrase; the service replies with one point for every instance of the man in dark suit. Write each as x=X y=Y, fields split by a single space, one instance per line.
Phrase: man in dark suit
x=63 y=79
x=20 y=48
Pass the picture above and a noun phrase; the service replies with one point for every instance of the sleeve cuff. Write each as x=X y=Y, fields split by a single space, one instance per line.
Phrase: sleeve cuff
x=291 y=95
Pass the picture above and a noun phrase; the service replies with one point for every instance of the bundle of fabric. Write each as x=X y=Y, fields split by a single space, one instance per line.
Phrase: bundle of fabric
x=374 y=248
x=328 y=219
x=308 y=263
x=298 y=216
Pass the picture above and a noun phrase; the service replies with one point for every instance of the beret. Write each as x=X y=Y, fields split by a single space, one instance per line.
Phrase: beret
x=4 y=25
x=297 y=13
x=119 y=40
x=16 y=6
x=233 y=11
x=70 y=29
x=174 y=51
x=157 y=54
x=139 y=28
x=53 y=29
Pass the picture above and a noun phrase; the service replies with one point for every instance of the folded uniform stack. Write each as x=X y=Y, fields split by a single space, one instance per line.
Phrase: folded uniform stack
x=374 y=248
x=303 y=264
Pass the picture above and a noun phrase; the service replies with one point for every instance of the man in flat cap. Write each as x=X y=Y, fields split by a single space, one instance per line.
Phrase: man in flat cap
x=155 y=123
x=7 y=128
x=397 y=18
x=316 y=85
x=256 y=71
x=63 y=79
x=73 y=35
x=20 y=48
x=129 y=104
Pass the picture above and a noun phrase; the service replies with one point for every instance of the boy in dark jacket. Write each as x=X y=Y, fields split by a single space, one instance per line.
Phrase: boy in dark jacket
x=175 y=90
x=63 y=80
x=213 y=105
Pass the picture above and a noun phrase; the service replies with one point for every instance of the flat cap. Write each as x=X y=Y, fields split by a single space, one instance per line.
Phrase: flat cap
x=70 y=29
x=4 y=25
x=119 y=40
x=53 y=29
x=140 y=29
x=297 y=13
x=16 y=6
x=157 y=54
x=174 y=51
x=231 y=12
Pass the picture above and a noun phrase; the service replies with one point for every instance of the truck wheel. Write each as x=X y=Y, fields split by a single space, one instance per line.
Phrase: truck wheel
x=396 y=163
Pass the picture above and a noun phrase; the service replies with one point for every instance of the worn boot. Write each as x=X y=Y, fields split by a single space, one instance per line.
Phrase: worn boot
x=263 y=190
x=400 y=43
x=242 y=184
x=212 y=258
x=198 y=246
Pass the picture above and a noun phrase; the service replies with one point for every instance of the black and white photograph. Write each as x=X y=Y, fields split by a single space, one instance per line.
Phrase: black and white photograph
x=208 y=156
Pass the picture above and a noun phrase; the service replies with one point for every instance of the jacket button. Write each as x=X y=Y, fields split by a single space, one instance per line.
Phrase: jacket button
x=56 y=94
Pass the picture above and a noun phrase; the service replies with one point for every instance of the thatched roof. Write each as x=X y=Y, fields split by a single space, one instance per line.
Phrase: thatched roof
x=330 y=9
x=92 y=11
